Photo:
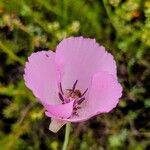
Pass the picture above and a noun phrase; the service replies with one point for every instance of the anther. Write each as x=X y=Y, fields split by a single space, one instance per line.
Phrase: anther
x=61 y=97
x=75 y=113
x=80 y=100
x=74 y=86
x=84 y=92
x=61 y=88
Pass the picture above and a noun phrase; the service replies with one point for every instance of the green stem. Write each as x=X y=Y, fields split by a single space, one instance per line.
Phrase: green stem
x=68 y=127
x=109 y=13
x=10 y=53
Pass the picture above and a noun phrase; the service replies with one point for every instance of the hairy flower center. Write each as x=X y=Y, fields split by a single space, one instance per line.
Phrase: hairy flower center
x=72 y=94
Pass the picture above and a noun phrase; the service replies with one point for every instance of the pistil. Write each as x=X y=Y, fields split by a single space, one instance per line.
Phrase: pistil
x=72 y=94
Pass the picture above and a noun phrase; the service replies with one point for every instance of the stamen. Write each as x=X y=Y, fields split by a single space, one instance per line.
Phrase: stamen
x=84 y=92
x=61 y=97
x=80 y=100
x=75 y=109
x=74 y=86
x=75 y=113
x=61 y=89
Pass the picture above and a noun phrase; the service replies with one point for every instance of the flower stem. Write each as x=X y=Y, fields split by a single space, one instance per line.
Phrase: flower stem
x=68 y=127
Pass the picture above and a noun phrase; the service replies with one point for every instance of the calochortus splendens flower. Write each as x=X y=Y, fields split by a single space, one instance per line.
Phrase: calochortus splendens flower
x=75 y=83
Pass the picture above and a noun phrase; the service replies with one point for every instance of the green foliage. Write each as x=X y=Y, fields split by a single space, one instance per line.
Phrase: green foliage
x=118 y=139
x=122 y=26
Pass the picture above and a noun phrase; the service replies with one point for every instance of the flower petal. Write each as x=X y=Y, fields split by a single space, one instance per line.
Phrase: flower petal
x=56 y=124
x=40 y=76
x=59 y=111
x=104 y=95
x=79 y=59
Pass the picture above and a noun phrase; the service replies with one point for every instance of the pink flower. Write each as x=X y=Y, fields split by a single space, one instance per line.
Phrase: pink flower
x=74 y=84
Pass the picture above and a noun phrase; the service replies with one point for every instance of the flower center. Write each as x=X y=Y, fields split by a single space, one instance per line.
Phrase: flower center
x=72 y=94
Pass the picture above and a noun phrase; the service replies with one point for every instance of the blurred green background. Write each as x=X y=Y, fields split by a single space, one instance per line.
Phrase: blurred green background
x=122 y=26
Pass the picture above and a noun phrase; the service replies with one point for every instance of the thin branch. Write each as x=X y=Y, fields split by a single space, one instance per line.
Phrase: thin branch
x=10 y=53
